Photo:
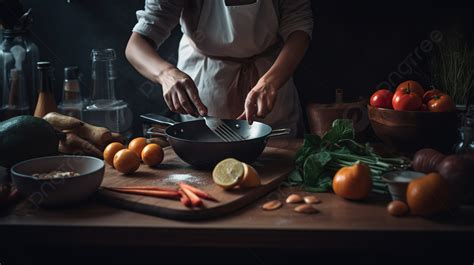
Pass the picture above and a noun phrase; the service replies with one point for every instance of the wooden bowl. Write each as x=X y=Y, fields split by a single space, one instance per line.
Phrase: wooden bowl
x=409 y=131
x=321 y=116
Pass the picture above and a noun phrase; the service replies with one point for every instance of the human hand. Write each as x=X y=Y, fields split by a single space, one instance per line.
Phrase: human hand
x=181 y=94
x=260 y=101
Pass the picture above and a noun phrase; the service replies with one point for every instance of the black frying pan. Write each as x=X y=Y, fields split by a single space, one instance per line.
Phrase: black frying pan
x=197 y=145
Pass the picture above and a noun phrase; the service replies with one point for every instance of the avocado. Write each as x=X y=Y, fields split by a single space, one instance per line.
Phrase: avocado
x=25 y=137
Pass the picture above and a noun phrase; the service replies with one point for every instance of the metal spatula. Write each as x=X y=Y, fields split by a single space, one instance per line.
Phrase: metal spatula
x=222 y=130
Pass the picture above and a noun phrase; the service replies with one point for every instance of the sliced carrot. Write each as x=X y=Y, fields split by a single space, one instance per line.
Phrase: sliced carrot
x=195 y=200
x=197 y=191
x=145 y=188
x=152 y=193
x=184 y=199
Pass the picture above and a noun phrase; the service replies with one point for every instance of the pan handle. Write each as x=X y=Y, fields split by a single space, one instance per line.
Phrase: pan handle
x=155 y=118
x=153 y=131
x=280 y=132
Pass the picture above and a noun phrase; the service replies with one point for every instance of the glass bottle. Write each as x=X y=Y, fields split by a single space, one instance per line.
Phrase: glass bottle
x=466 y=144
x=71 y=103
x=46 y=102
x=32 y=58
x=15 y=100
x=103 y=109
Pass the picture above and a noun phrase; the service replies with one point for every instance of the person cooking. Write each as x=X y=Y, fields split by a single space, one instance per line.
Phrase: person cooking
x=236 y=57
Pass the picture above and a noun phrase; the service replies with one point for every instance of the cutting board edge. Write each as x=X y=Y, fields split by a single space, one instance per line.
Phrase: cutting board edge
x=189 y=215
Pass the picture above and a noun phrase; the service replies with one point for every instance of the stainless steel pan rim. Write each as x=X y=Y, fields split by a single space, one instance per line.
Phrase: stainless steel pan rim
x=263 y=130
x=273 y=133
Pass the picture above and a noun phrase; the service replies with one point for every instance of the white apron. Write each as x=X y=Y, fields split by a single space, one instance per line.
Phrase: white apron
x=242 y=32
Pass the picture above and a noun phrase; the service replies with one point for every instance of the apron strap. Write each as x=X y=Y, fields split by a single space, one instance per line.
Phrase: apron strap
x=191 y=14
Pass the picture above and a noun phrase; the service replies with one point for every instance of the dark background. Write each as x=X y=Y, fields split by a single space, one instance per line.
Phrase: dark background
x=356 y=47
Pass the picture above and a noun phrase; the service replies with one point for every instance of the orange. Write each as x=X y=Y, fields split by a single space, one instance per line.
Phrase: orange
x=152 y=154
x=126 y=161
x=251 y=178
x=137 y=145
x=428 y=195
x=354 y=182
x=111 y=150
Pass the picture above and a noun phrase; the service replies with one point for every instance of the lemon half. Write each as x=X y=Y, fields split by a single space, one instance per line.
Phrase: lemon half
x=228 y=173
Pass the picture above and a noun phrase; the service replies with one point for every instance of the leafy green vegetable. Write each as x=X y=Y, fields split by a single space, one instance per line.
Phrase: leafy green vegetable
x=341 y=129
x=314 y=167
x=319 y=158
x=309 y=147
x=295 y=177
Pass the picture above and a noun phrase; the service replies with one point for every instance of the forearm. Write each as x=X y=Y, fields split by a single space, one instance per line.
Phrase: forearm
x=141 y=54
x=287 y=61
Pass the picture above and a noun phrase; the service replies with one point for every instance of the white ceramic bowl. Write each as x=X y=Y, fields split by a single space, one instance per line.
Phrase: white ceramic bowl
x=398 y=182
x=59 y=191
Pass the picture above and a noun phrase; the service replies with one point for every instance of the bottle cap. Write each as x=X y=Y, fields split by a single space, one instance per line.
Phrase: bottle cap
x=103 y=54
x=43 y=65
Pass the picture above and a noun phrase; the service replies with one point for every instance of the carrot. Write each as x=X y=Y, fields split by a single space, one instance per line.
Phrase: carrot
x=195 y=200
x=151 y=193
x=144 y=188
x=185 y=199
x=197 y=191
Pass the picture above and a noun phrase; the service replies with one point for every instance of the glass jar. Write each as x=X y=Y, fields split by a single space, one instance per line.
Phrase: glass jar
x=17 y=51
x=71 y=103
x=103 y=109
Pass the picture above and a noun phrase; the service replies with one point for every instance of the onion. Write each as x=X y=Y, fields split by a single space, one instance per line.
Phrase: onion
x=458 y=172
x=427 y=160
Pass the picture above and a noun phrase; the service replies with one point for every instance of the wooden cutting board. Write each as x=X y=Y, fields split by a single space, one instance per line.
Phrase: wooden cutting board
x=273 y=166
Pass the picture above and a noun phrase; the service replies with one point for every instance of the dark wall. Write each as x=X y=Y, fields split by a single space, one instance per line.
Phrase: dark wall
x=359 y=47
x=355 y=46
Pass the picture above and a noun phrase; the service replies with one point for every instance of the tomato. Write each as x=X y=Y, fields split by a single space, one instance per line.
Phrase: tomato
x=428 y=195
x=354 y=182
x=430 y=94
x=406 y=100
x=382 y=99
x=441 y=103
x=424 y=107
x=413 y=86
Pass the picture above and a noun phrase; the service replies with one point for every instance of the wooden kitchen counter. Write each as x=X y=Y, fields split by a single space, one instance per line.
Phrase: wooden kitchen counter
x=341 y=224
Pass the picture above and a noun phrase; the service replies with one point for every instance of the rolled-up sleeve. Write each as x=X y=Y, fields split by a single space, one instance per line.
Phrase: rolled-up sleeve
x=295 y=15
x=158 y=19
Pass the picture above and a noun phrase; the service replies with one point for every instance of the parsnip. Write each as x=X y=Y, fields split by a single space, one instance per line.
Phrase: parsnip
x=76 y=143
x=62 y=122
x=99 y=136
x=117 y=137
